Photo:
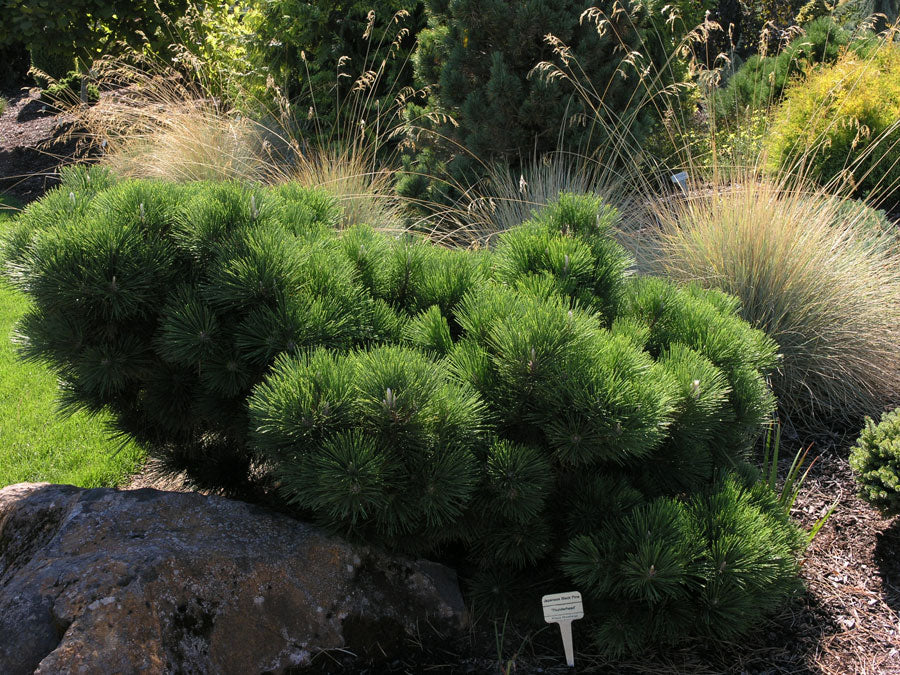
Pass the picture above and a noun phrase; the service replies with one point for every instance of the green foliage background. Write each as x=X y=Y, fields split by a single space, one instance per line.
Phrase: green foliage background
x=841 y=121
x=761 y=80
x=317 y=51
x=56 y=33
x=486 y=103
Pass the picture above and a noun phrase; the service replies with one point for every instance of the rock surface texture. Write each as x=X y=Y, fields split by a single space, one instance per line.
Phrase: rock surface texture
x=111 y=581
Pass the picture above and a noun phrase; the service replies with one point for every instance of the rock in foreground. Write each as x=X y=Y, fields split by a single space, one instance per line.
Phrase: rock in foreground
x=124 y=581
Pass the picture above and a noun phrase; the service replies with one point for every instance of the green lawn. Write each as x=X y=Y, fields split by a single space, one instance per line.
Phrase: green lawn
x=37 y=444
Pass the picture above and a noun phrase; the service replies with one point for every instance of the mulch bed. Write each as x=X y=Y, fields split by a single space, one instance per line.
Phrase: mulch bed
x=852 y=571
x=34 y=143
x=846 y=622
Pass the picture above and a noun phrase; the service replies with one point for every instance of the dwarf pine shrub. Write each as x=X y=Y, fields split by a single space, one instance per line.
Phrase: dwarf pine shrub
x=875 y=459
x=167 y=303
x=712 y=565
x=532 y=409
x=377 y=441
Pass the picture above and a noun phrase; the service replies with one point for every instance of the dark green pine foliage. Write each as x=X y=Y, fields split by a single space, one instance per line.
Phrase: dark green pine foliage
x=166 y=304
x=614 y=403
x=708 y=322
x=875 y=460
x=378 y=443
x=533 y=410
x=568 y=250
x=710 y=566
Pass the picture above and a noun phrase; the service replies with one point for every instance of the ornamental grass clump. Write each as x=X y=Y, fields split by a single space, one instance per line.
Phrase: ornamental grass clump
x=162 y=123
x=533 y=412
x=875 y=459
x=817 y=273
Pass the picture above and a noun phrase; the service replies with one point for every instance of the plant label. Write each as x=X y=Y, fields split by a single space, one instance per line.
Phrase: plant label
x=681 y=180
x=564 y=608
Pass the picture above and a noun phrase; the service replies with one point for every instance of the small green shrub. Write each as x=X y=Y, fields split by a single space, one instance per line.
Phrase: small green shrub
x=875 y=460
x=713 y=566
x=841 y=124
x=379 y=441
x=66 y=91
x=217 y=40
x=605 y=399
x=194 y=291
x=504 y=405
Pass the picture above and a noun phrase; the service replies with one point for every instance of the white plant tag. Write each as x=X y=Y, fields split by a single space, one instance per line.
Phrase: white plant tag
x=564 y=608
x=681 y=180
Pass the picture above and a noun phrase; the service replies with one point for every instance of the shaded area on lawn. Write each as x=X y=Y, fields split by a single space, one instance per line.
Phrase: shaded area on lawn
x=35 y=443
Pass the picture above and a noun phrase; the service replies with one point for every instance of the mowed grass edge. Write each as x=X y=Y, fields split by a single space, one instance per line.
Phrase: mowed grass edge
x=36 y=442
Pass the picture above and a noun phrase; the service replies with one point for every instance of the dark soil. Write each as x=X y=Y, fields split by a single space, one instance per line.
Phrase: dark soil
x=34 y=142
x=846 y=621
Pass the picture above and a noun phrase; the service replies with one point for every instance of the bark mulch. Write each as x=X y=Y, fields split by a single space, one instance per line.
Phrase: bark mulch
x=34 y=142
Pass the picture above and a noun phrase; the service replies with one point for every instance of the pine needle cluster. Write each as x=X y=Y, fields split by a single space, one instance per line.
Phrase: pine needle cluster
x=534 y=409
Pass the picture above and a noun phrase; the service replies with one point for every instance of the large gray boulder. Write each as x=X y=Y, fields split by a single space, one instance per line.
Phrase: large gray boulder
x=104 y=581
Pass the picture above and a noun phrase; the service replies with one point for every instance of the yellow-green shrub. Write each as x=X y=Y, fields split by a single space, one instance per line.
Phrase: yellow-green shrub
x=842 y=123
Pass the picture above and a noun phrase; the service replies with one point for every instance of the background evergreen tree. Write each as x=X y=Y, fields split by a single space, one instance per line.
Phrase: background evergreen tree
x=477 y=57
